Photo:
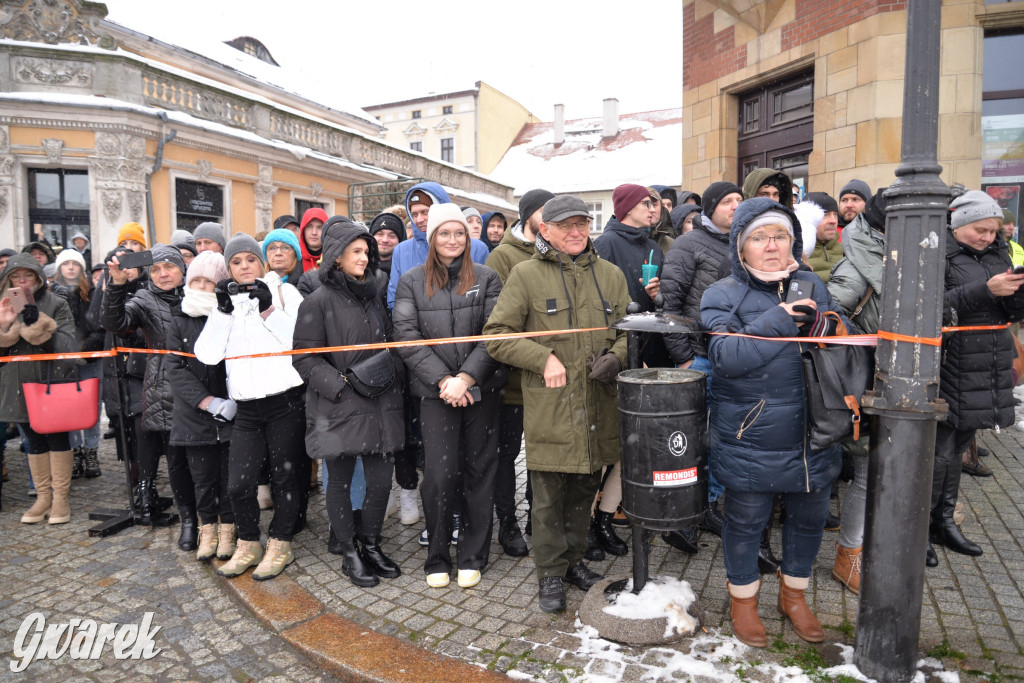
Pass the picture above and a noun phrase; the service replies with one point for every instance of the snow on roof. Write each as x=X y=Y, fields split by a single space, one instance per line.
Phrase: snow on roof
x=185 y=32
x=648 y=150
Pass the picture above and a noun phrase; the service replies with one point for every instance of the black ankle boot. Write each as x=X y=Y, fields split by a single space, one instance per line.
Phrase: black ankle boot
x=145 y=503
x=930 y=558
x=188 y=539
x=92 y=463
x=354 y=568
x=711 y=519
x=766 y=560
x=610 y=543
x=511 y=539
x=685 y=540
x=379 y=563
x=594 y=551
x=334 y=543
x=78 y=467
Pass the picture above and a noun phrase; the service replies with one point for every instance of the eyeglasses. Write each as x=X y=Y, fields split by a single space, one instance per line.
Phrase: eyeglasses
x=647 y=203
x=278 y=246
x=568 y=226
x=763 y=240
x=458 y=235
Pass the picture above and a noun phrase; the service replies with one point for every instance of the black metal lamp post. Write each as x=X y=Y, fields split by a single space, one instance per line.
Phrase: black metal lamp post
x=905 y=404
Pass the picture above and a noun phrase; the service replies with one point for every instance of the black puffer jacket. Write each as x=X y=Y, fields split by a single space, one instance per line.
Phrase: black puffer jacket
x=90 y=334
x=446 y=314
x=191 y=382
x=696 y=261
x=343 y=311
x=149 y=311
x=976 y=379
x=135 y=363
x=629 y=248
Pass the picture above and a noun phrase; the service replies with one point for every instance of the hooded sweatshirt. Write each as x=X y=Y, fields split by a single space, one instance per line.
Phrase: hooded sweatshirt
x=761 y=176
x=85 y=251
x=411 y=253
x=310 y=258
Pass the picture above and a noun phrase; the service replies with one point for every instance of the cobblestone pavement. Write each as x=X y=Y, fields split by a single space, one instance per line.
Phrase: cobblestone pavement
x=63 y=573
x=972 y=620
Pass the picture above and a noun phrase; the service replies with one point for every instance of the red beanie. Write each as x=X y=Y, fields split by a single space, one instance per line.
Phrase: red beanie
x=625 y=197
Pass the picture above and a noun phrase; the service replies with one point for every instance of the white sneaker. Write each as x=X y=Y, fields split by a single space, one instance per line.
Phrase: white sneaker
x=468 y=578
x=410 y=513
x=424 y=538
x=438 y=580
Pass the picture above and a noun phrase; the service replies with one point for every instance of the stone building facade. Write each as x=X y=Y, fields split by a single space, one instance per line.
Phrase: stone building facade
x=101 y=125
x=816 y=88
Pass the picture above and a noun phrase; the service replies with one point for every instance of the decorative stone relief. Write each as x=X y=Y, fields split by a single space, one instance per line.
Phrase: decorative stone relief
x=4 y=202
x=136 y=202
x=108 y=144
x=264 y=191
x=55 y=21
x=111 y=200
x=135 y=147
x=205 y=168
x=6 y=166
x=315 y=189
x=53 y=148
x=5 y=139
x=53 y=72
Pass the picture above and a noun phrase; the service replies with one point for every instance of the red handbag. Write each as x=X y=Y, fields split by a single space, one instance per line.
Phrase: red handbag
x=56 y=407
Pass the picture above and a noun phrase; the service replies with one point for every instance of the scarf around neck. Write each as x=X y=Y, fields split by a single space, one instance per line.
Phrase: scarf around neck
x=197 y=303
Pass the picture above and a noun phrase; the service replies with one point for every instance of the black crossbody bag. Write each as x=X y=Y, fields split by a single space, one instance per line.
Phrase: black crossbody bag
x=372 y=376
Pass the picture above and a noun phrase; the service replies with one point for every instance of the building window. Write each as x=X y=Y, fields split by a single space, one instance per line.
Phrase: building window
x=416 y=113
x=1002 y=121
x=416 y=146
x=596 y=210
x=448 y=150
x=776 y=127
x=197 y=203
x=304 y=205
x=447 y=109
x=58 y=204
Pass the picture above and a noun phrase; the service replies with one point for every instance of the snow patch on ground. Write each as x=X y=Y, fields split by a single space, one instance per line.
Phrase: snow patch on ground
x=662 y=597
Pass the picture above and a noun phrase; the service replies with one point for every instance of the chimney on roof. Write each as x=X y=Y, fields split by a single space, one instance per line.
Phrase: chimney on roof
x=559 y=124
x=611 y=117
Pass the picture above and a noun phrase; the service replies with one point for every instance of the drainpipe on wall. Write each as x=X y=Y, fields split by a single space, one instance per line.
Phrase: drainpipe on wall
x=149 y=176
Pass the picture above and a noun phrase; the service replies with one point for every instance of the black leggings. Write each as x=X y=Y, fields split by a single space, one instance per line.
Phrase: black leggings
x=377 y=469
x=150 y=446
x=274 y=427
x=209 y=468
x=44 y=443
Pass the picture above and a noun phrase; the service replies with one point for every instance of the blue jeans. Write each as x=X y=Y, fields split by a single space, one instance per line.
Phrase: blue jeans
x=715 y=489
x=91 y=438
x=747 y=513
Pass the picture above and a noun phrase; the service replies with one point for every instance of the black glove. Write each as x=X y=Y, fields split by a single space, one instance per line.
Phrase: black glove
x=30 y=314
x=817 y=325
x=262 y=294
x=224 y=304
x=604 y=367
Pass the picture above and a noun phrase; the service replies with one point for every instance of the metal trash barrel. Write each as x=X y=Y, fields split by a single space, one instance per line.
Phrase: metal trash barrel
x=663 y=422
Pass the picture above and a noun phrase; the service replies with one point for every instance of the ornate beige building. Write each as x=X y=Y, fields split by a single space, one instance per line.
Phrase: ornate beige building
x=101 y=125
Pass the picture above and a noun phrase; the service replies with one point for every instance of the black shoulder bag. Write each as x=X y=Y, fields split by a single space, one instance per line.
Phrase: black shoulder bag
x=372 y=376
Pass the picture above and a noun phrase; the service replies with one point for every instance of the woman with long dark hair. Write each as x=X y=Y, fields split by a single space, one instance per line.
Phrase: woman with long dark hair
x=459 y=390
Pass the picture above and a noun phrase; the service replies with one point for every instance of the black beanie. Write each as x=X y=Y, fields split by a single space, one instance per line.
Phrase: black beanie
x=388 y=221
x=874 y=212
x=823 y=200
x=531 y=201
x=715 y=193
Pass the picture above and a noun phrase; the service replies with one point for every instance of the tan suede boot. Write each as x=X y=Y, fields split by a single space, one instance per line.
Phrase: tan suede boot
x=226 y=541
x=278 y=556
x=207 y=543
x=39 y=466
x=247 y=554
x=61 y=464
x=746 y=624
x=846 y=569
x=792 y=604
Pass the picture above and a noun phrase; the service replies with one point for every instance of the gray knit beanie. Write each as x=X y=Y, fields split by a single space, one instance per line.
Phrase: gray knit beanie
x=857 y=187
x=163 y=253
x=210 y=231
x=971 y=206
x=239 y=243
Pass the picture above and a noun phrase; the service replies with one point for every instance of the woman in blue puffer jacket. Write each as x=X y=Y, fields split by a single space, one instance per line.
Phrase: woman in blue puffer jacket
x=758 y=427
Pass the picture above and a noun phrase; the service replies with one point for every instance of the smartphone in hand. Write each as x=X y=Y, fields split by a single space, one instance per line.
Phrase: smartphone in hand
x=135 y=259
x=18 y=298
x=799 y=289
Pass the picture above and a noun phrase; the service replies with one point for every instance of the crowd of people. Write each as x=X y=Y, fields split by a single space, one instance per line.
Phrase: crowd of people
x=251 y=409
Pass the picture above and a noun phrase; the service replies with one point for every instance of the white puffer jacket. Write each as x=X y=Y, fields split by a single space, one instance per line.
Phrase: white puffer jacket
x=245 y=332
x=286 y=297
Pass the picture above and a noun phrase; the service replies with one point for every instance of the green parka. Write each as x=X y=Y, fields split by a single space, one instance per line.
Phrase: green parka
x=575 y=428
x=54 y=332
x=513 y=250
x=825 y=257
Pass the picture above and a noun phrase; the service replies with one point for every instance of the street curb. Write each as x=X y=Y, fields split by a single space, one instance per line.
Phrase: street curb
x=341 y=647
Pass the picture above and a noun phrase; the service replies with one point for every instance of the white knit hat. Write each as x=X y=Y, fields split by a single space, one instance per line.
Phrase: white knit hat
x=440 y=214
x=971 y=206
x=208 y=264
x=70 y=255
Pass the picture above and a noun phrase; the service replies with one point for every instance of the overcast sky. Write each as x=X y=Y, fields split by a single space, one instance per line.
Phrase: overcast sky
x=539 y=52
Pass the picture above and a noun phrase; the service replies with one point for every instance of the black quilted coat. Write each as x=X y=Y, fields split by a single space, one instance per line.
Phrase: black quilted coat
x=696 y=261
x=149 y=311
x=976 y=378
